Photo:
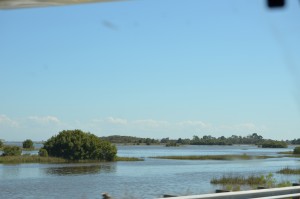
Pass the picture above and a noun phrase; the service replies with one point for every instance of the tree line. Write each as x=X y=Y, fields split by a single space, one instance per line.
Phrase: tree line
x=254 y=139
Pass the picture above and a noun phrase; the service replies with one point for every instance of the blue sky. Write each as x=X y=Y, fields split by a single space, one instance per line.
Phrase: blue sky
x=172 y=68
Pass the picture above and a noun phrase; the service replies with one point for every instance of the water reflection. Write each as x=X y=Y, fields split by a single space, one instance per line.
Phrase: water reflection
x=82 y=169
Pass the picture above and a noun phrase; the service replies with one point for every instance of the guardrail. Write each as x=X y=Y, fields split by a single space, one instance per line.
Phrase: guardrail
x=272 y=193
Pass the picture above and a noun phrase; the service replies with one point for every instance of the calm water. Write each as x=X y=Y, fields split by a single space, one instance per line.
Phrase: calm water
x=146 y=179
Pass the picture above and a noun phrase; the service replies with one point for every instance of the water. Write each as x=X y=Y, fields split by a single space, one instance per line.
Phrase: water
x=145 y=179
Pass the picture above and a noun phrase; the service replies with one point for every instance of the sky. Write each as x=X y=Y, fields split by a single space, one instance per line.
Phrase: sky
x=151 y=68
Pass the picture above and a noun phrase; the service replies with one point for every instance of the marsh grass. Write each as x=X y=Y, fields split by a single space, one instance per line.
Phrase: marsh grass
x=128 y=159
x=267 y=181
x=289 y=154
x=26 y=158
x=30 y=159
x=239 y=180
x=214 y=157
x=289 y=171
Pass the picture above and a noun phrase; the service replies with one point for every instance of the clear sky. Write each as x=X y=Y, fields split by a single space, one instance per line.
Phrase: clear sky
x=151 y=68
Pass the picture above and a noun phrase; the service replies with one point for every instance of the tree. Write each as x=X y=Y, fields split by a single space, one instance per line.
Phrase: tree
x=11 y=151
x=79 y=145
x=297 y=150
x=28 y=144
x=43 y=152
x=1 y=144
x=274 y=144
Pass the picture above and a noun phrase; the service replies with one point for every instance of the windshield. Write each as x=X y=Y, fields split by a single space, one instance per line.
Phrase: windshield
x=150 y=69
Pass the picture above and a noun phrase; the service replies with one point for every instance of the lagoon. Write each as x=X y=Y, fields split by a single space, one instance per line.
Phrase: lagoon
x=150 y=178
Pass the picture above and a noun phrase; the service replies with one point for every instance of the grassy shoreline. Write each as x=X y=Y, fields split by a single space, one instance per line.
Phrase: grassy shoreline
x=289 y=171
x=214 y=157
x=267 y=181
x=52 y=160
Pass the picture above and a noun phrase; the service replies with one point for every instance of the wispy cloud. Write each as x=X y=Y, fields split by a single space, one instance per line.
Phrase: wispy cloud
x=150 y=123
x=44 y=119
x=117 y=121
x=6 y=121
x=200 y=124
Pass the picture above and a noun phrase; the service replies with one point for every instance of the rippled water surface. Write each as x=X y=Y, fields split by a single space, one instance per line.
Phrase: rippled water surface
x=144 y=179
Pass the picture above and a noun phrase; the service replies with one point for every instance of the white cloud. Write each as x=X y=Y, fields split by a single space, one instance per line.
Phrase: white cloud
x=249 y=127
x=44 y=119
x=6 y=121
x=117 y=121
x=150 y=123
x=190 y=123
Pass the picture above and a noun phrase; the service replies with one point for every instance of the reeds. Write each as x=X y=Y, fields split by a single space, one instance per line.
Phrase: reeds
x=30 y=159
x=289 y=171
x=39 y=159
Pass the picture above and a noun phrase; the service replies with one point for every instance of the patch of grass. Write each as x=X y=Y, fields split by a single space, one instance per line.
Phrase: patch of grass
x=214 y=157
x=30 y=159
x=128 y=159
x=26 y=158
x=239 y=180
x=267 y=181
x=289 y=171
x=289 y=154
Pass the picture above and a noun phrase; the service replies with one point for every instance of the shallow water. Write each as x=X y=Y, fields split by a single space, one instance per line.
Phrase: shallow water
x=144 y=179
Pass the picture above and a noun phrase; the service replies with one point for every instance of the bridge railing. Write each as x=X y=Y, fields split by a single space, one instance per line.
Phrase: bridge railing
x=272 y=193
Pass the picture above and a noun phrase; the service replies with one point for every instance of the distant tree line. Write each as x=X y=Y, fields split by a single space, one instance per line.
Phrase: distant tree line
x=254 y=139
x=295 y=141
x=118 y=139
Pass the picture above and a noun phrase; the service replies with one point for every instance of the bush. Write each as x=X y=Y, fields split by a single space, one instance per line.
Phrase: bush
x=297 y=150
x=78 y=145
x=28 y=144
x=43 y=153
x=1 y=144
x=11 y=151
x=274 y=144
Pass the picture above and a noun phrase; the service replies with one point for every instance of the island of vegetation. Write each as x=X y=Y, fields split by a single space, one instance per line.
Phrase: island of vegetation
x=67 y=146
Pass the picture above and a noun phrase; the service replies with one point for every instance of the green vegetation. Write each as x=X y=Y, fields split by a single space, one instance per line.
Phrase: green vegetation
x=78 y=145
x=214 y=157
x=267 y=181
x=296 y=150
x=49 y=160
x=295 y=141
x=204 y=140
x=43 y=153
x=128 y=159
x=118 y=139
x=172 y=144
x=289 y=171
x=273 y=144
x=30 y=159
x=1 y=144
x=11 y=151
x=28 y=144
x=234 y=139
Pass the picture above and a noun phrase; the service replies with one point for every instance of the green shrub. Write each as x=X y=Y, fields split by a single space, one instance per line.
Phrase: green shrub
x=11 y=151
x=28 y=144
x=1 y=144
x=274 y=144
x=43 y=152
x=297 y=150
x=78 y=145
